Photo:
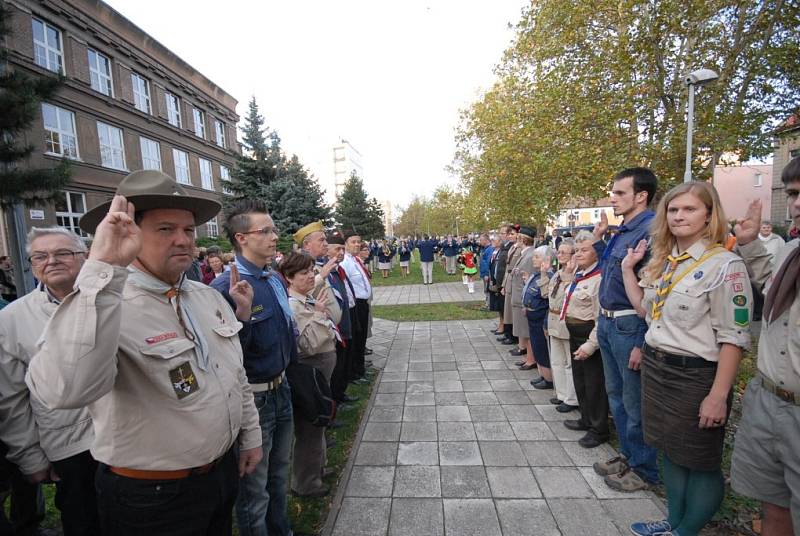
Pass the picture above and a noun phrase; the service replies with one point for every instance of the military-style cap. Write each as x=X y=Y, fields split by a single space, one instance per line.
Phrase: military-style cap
x=527 y=231
x=307 y=230
x=335 y=237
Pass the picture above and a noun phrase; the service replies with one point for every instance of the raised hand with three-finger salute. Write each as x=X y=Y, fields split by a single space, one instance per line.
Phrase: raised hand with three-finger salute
x=601 y=228
x=747 y=228
x=117 y=240
x=242 y=295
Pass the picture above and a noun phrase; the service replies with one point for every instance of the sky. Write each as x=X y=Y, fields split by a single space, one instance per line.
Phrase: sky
x=389 y=77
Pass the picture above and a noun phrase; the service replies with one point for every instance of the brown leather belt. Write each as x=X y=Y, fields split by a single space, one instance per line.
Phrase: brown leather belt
x=555 y=312
x=783 y=394
x=178 y=474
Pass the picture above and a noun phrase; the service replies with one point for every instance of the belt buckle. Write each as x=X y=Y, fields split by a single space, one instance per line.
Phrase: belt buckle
x=788 y=396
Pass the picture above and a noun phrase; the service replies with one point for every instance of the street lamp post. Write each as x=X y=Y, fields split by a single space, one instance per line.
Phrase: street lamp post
x=700 y=77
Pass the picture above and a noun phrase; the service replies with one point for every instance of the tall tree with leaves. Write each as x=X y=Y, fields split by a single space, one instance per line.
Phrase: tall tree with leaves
x=354 y=211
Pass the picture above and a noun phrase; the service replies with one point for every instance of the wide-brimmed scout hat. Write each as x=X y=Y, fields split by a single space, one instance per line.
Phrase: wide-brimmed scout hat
x=303 y=232
x=524 y=230
x=151 y=189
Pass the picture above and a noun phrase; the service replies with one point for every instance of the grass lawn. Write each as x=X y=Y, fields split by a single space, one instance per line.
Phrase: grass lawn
x=433 y=311
x=415 y=275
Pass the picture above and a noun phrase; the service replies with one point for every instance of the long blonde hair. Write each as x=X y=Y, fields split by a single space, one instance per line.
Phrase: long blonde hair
x=663 y=241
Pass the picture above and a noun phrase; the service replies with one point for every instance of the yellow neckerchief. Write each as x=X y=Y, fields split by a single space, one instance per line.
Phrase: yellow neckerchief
x=668 y=283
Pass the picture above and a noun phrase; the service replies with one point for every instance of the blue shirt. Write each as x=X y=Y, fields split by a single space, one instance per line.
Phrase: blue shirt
x=450 y=248
x=268 y=339
x=426 y=249
x=486 y=258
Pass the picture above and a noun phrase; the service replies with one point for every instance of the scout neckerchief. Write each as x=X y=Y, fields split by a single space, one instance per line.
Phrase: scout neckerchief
x=277 y=288
x=783 y=290
x=309 y=303
x=667 y=281
x=578 y=278
x=361 y=265
x=145 y=281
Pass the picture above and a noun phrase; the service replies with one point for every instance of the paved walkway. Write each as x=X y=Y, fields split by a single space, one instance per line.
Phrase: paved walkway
x=456 y=442
x=436 y=293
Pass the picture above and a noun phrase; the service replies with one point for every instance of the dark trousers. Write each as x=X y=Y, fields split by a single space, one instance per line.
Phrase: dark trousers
x=75 y=495
x=341 y=372
x=27 y=505
x=359 y=341
x=192 y=506
x=590 y=382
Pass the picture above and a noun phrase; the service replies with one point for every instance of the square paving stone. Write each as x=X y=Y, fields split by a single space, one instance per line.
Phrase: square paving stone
x=469 y=365
x=549 y=413
x=417 y=481
x=362 y=517
x=392 y=399
x=602 y=491
x=418 y=431
x=505 y=385
x=417 y=517
x=376 y=454
x=440 y=357
x=419 y=414
x=386 y=414
x=562 y=482
x=416 y=366
x=446 y=375
x=587 y=457
x=440 y=366
x=476 y=385
x=525 y=412
x=532 y=431
x=456 y=431
x=470 y=517
x=494 y=365
x=494 y=431
x=419 y=387
x=450 y=399
x=419 y=375
x=512 y=483
x=387 y=377
x=513 y=397
x=452 y=413
x=526 y=517
x=472 y=375
x=465 y=481
x=499 y=374
x=381 y=431
x=481 y=399
x=392 y=387
x=487 y=413
x=418 y=453
x=626 y=511
x=459 y=453
x=542 y=398
x=576 y=516
x=419 y=399
x=546 y=453
x=370 y=481
x=502 y=454
x=447 y=386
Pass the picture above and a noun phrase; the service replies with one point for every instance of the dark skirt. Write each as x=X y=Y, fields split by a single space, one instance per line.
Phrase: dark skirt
x=671 y=398
x=541 y=350
x=496 y=302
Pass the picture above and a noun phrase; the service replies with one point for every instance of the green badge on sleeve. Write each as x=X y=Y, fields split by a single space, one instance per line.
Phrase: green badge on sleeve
x=741 y=316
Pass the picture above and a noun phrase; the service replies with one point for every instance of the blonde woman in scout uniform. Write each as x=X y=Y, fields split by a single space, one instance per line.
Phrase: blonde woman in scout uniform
x=696 y=298
x=157 y=360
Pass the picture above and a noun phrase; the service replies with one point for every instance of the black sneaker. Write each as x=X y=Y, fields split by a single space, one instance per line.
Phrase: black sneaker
x=543 y=385
x=565 y=408
x=556 y=401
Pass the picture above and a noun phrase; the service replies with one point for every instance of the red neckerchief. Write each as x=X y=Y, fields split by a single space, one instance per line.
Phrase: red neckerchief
x=574 y=284
x=361 y=265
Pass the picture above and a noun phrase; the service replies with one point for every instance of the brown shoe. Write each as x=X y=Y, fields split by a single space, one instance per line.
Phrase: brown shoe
x=611 y=467
x=627 y=480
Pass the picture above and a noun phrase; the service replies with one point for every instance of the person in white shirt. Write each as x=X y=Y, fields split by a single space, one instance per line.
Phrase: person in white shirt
x=772 y=242
x=359 y=276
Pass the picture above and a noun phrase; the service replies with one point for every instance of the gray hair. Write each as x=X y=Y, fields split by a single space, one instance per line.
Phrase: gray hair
x=543 y=251
x=569 y=242
x=583 y=236
x=37 y=232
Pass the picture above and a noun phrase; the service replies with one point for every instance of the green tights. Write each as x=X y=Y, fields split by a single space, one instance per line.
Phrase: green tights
x=693 y=497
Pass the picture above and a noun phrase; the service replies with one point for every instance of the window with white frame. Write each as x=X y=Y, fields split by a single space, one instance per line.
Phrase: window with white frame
x=48 y=49
x=59 y=131
x=219 y=133
x=70 y=207
x=141 y=93
x=151 y=154
x=199 y=123
x=225 y=173
x=205 y=174
x=212 y=228
x=758 y=180
x=173 y=110
x=100 y=73
x=112 y=148
x=181 y=166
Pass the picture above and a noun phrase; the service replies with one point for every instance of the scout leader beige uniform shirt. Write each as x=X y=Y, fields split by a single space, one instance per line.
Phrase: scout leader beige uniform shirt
x=709 y=306
x=584 y=304
x=120 y=349
x=556 y=327
x=779 y=343
x=34 y=434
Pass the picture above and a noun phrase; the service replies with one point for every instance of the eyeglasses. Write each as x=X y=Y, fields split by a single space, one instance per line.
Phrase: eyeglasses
x=263 y=230
x=62 y=256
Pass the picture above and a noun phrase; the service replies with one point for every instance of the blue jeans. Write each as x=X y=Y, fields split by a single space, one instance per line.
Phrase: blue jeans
x=617 y=337
x=261 y=504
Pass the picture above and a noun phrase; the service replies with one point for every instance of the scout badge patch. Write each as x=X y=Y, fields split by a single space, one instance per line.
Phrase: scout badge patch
x=741 y=316
x=184 y=382
x=740 y=300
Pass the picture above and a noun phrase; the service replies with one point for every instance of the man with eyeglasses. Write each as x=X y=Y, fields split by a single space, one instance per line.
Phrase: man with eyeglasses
x=47 y=445
x=269 y=343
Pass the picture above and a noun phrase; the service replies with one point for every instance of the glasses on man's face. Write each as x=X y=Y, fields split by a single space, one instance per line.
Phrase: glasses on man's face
x=64 y=256
x=263 y=230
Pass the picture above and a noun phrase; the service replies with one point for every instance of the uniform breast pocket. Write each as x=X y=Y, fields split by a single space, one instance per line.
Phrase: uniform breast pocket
x=686 y=306
x=170 y=365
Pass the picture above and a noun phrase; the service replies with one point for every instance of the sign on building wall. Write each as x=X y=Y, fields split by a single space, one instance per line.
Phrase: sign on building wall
x=36 y=214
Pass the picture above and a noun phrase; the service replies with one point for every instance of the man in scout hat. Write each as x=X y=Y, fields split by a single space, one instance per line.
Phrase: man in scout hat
x=311 y=240
x=345 y=296
x=157 y=361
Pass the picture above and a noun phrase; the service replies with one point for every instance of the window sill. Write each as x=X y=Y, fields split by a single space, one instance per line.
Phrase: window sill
x=57 y=155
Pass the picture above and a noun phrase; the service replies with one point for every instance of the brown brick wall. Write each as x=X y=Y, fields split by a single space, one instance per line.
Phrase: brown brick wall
x=77 y=60
x=133 y=151
x=188 y=116
x=125 y=85
x=21 y=38
x=88 y=142
x=159 y=102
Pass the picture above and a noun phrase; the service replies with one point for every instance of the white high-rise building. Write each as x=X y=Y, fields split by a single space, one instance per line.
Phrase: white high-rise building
x=346 y=160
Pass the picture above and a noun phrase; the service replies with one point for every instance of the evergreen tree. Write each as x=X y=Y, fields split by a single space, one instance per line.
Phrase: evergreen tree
x=295 y=198
x=20 y=106
x=355 y=212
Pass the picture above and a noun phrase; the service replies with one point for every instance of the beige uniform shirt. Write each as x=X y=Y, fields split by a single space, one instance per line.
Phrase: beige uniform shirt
x=120 y=350
x=523 y=263
x=585 y=305
x=779 y=343
x=556 y=327
x=709 y=306
x=34 y=434
x=322 y=286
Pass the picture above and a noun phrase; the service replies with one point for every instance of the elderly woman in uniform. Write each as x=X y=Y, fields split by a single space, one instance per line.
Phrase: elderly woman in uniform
x=523 y=264
x=580 y=310
x=696 y=299
x=560 y=357
x=536 y=305
x=316 y=344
